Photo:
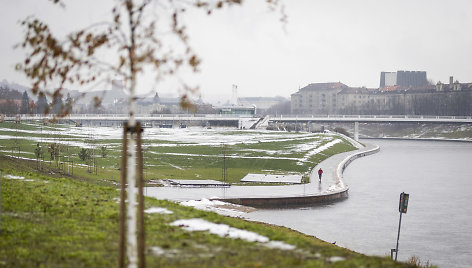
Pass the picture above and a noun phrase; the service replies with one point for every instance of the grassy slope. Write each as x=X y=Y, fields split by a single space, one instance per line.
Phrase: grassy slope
x=64 y=222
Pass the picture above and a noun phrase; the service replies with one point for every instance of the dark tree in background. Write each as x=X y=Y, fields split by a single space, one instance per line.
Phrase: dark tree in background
x=25 y=104
x=281 y=108
x=42 y=106
x=68 y=104
x=8 y=97
x=58 y=105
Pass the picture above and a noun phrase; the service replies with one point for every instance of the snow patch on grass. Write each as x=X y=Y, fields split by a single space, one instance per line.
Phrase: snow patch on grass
x=279 y=245
x=219 y=207
x=336 y=259
x=158 y=210
x=172 y=165
x=13 y=177
x=223 y=230
x=319 y=149
x=227 y=156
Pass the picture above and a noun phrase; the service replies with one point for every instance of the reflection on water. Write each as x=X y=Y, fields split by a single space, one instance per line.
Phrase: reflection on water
x=437 y=226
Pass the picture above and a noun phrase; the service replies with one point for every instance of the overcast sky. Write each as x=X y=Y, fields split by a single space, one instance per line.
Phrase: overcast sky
x=323 y=41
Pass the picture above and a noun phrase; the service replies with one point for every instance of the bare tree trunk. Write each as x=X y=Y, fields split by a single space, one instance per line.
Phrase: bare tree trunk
x=132 y=243
x=123 y=193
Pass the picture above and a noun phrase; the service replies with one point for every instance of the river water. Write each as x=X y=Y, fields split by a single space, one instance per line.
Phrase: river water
x=438 y=225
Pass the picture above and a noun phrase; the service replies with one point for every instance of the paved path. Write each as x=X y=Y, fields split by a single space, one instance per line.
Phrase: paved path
x=313 y=188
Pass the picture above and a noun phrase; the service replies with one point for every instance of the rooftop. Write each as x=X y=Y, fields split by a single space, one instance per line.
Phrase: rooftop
x=324 y=86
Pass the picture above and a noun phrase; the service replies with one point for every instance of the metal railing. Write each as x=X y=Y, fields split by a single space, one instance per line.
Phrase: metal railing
x=295 y=117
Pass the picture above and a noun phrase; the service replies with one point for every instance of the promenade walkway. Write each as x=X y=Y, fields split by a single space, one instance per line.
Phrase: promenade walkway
x=237 y=194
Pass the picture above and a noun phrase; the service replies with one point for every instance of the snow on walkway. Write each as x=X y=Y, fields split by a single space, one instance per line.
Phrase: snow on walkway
x=270 y=178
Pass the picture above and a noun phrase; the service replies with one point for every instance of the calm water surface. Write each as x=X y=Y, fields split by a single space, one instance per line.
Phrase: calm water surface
x=438 y=225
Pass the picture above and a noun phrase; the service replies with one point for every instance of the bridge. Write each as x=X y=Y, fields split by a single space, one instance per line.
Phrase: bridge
x=271 y=118
x=372 y=118
x=243 y=121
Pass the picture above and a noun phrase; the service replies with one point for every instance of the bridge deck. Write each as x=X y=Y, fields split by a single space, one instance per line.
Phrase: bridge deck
x=284 y=118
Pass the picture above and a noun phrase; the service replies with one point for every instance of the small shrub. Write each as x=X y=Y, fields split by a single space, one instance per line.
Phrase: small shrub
x=342 y=131
x=416 y=261
x=54 y=150
x=38 y=151
x=103 y=151
x=84 y=154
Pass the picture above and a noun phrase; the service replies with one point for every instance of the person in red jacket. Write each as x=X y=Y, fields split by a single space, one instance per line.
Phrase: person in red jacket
x=320 y=172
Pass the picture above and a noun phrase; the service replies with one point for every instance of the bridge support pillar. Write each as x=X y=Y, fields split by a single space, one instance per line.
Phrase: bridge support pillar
x=356 y=131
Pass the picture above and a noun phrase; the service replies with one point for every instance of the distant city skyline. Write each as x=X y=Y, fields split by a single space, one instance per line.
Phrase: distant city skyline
x=324 y=41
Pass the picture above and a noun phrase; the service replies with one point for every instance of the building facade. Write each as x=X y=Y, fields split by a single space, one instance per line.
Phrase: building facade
x=404 y=79
x=453 y=99
x=316 y=98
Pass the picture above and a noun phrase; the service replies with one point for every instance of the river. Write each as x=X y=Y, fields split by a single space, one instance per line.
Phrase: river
x=438 y=225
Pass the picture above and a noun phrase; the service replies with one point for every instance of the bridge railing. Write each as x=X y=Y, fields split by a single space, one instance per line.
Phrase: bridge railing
x=293 y=117
x=331 y=116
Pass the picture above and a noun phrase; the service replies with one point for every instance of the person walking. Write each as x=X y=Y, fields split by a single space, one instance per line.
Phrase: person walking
x=320 y=173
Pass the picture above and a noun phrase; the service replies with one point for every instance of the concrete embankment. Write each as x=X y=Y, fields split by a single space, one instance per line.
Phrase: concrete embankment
x=333 y=175
x=416 y=139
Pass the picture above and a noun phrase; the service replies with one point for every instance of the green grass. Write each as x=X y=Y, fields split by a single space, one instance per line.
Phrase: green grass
x=193 y=161
x=66 y=222
x=209 y=166
x=20 y=126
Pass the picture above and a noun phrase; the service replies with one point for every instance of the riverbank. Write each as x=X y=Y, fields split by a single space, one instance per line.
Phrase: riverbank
x=368 y=220
x=418 y=139
x=435 y=131
x=63 y=222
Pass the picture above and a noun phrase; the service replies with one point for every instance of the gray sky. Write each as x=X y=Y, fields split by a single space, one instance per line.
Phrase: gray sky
x=324 y=41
